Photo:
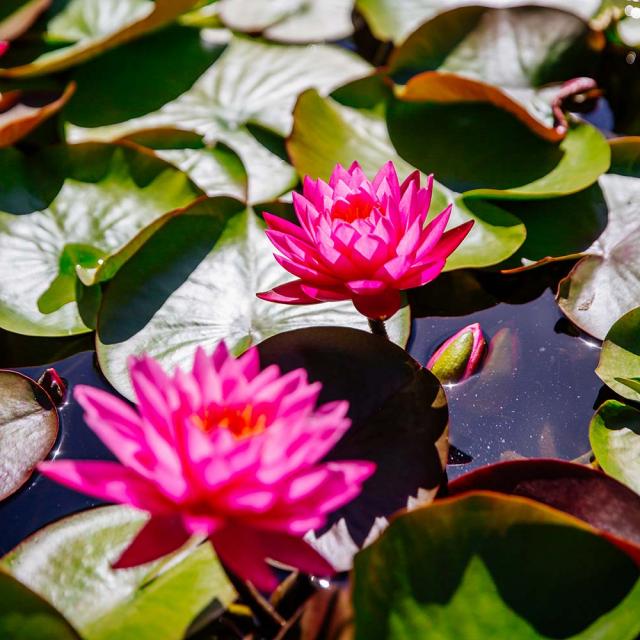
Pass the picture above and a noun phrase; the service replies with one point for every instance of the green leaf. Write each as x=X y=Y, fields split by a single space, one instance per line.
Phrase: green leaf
x=463 y=130
x=28 y=429
x=326 y=132
x=615 y=439
x=86 y=28
x=68 y=563
x=396 y=19
x=251 y=84
x=68 y=208
x=515 y=47
x=605 y=284
x=194 y=283
x=26 y=616
x=619 y=365
x=491 y=566
x=296 y=21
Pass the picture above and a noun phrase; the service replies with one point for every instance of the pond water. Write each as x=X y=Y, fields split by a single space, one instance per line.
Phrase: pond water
x=534 y=396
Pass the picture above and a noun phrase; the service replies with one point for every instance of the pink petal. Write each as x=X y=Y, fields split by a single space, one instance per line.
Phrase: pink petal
x=109 y=481
x=419 y=276
x=289 y=293
x=161 y=536
x=284 y=226
x=366 y=287
x=451 y=240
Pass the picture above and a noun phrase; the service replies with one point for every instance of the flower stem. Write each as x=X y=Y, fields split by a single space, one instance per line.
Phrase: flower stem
x=377 y=328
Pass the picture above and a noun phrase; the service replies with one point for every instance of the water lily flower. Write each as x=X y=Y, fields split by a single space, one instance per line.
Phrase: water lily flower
x=226 y=451
x=4 y=45
x=361 y=240
x=460 y=356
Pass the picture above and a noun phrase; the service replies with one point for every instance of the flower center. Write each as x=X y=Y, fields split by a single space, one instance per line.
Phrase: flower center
x=243 y=421
x=355 y=206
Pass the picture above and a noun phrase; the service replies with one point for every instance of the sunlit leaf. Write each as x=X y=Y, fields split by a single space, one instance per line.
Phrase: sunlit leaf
x=28 y=429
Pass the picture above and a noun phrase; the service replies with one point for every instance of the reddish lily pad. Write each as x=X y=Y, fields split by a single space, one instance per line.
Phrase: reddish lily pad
x=28 y=429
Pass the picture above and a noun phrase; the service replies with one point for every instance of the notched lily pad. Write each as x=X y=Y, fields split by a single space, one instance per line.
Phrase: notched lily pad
x=70 y=208
x=398 y=411
x=485 y=565
x=68 y=563
x=605 y=284
x=210 y=260
x=28 y=429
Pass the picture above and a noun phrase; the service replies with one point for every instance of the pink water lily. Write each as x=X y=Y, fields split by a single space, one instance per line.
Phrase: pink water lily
x=361 y=240
x=4 y=45
x=227 y=451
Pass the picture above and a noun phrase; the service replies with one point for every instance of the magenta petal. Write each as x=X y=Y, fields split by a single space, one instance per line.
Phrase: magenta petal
x=284 y=226
x=161 y=536
x=451 y=240
x=380 y=306
x=289 y=293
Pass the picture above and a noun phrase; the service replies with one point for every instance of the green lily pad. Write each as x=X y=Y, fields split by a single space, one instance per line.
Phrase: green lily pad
x=77 y=30
x=463 y=130
x=615 y=439
x=68 y=564
x=253 y=84
x=296 y=21
x=26 y=616
x=619 y=366
x=16 y=16
x=326 y=132
x=396 y=19
x=605 y=284
x=515 y=47
x=28 y=429
x=71 y=207
x=486 y=565
x=193 y=283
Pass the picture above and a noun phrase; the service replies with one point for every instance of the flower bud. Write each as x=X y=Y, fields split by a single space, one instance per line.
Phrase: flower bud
x=460 y=356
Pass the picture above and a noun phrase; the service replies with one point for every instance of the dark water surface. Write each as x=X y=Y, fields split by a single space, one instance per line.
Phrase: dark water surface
x=534 y=396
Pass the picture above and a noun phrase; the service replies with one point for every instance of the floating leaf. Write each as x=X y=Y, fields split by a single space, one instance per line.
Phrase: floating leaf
x=26 y=616
x=21 y=112
x=253 y=84
x=28 y=429
x=514 y=48
x=434 y=126
x=68 y=563
x=86 y=28
x=297 y=21
x=615 y=440
x=17 y=16
x=388 y=393
x=211 y=260
x=396 y=19
x=580 y=491
x=490 y=566
x=605 y=284
x=71 y=207
x=619 y=365
x=326 y=132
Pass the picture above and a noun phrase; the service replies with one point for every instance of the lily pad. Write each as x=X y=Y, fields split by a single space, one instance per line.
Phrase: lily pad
x=210 y=260
x=486 y=565
x=396 y=19
x=388 y=393
x=71 y=207
x=68 y=563
x=605 y=284
x=434 y=125
x=26 y=616
x=514 y=48
x=326 y=132
x=16 y=16
x=580 y=491
x=252 y=84
x=619 y=365
x=21 y=112
x=296 y=21
x=615 y=440
x=28 y=429
x=77 y=30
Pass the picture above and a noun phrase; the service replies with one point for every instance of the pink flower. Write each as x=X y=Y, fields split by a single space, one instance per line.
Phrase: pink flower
x=361 y=240
x=226 y=451
x=4 y=45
